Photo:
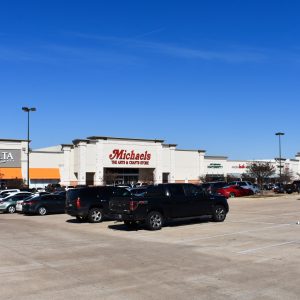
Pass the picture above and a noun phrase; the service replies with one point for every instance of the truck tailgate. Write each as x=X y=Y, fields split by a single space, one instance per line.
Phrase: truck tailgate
x=119 y=204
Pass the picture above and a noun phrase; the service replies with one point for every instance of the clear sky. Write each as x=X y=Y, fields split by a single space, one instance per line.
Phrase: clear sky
x=223 y=76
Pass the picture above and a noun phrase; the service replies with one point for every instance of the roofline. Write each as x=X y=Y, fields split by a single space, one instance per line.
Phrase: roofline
x=215 y=156
x=12 y=140
x=77 y=141
x=50 y=152
x=170 y=145
x=123 y=139
x=191 y=150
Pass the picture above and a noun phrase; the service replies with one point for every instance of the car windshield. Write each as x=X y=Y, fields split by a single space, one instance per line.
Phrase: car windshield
x=31 y=197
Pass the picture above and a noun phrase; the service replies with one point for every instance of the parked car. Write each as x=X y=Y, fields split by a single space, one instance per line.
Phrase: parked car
x=44 y=204
x=268 y=186
x=19 y=205
x=296 y=183
x=8 y=204
x=279 y=188
x=167 y=201
x=211 y=187
x=256 y=188
x=92 y=203
x=245 y=185
x=291 y=188
x=5 y=193
x=234 y=191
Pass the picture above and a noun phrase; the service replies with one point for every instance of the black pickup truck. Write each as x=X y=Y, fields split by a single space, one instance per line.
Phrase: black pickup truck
x=167 y=201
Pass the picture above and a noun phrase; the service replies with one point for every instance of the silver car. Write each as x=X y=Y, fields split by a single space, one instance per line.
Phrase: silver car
x=8 y=204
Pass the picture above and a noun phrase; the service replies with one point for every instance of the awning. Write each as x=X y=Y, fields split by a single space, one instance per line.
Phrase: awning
x=10 y=173
x=44 y=173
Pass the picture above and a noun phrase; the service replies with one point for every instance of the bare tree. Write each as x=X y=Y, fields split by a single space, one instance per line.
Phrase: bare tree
x=261 y=171
x=287 y=176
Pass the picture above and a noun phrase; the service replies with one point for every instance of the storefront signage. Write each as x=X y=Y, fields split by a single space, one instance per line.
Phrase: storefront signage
x=240 y=166
x=215 y=166
x=10 y=158
x=124 y=157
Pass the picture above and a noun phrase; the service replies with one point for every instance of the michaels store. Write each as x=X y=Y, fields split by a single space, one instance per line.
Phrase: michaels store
x=100 y=160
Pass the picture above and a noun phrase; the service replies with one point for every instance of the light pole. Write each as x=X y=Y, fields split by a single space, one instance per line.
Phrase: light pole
x=279 y=134
x=28 y=110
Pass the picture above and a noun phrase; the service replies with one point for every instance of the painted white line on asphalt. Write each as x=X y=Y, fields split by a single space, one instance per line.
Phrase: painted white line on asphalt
x=267 y=247
x=233 y=233
x=252 y=222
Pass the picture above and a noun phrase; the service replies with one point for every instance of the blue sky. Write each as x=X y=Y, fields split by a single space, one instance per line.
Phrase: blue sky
x=223 y=76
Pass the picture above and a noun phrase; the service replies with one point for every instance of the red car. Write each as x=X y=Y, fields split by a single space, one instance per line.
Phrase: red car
x=234 y=191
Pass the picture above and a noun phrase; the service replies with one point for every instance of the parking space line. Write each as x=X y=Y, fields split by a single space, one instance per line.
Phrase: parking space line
x=267 y=247
x=234 y=233
x=254 y=222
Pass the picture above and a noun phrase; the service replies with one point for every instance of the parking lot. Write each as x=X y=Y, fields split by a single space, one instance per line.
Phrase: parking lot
x=254 y=254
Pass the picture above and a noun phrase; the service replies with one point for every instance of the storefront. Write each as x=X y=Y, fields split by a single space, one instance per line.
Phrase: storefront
x=101 y=160
x=44 y=164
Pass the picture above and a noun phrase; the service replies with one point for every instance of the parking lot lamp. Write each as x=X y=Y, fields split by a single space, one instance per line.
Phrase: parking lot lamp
x=28 y=110
x=279 y=134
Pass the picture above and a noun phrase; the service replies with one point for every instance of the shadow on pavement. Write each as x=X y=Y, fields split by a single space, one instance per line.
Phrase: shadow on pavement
x=175 y=223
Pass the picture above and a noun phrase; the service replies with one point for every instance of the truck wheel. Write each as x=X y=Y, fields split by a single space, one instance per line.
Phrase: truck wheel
x=219 y=213
x=11 y=209
x=154 y=220
x=95 y=215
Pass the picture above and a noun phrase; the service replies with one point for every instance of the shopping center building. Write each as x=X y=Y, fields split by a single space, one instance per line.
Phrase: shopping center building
x=99 y=160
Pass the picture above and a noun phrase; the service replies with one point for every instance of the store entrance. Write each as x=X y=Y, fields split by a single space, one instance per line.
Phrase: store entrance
x=127 y=176
x=121 y=176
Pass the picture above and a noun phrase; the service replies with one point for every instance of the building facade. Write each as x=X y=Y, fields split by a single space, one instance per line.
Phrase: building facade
x=99 y=160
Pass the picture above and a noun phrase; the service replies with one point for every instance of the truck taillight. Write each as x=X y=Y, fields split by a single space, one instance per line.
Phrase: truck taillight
x=133 y=205
x=78 y=202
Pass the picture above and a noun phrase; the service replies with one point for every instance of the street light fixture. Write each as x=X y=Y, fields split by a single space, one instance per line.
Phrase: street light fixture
x=279 y=134
x=28 y=110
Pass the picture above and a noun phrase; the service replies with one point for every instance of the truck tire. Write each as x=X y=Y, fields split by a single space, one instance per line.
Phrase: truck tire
x=154 y=220
x=95 y=215
x=219 y=213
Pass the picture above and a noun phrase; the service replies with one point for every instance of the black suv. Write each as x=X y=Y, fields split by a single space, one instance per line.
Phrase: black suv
x=168 y=201
x=92 y=203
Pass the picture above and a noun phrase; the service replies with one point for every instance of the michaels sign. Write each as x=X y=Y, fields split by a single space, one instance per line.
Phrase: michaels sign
x=10 y=158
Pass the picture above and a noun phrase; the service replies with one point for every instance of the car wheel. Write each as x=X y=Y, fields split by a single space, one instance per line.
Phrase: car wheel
x=231 y=195
x=95 y=215
x=219 y=213
x=42 y=211
x=154 y=220
x=11 y=209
